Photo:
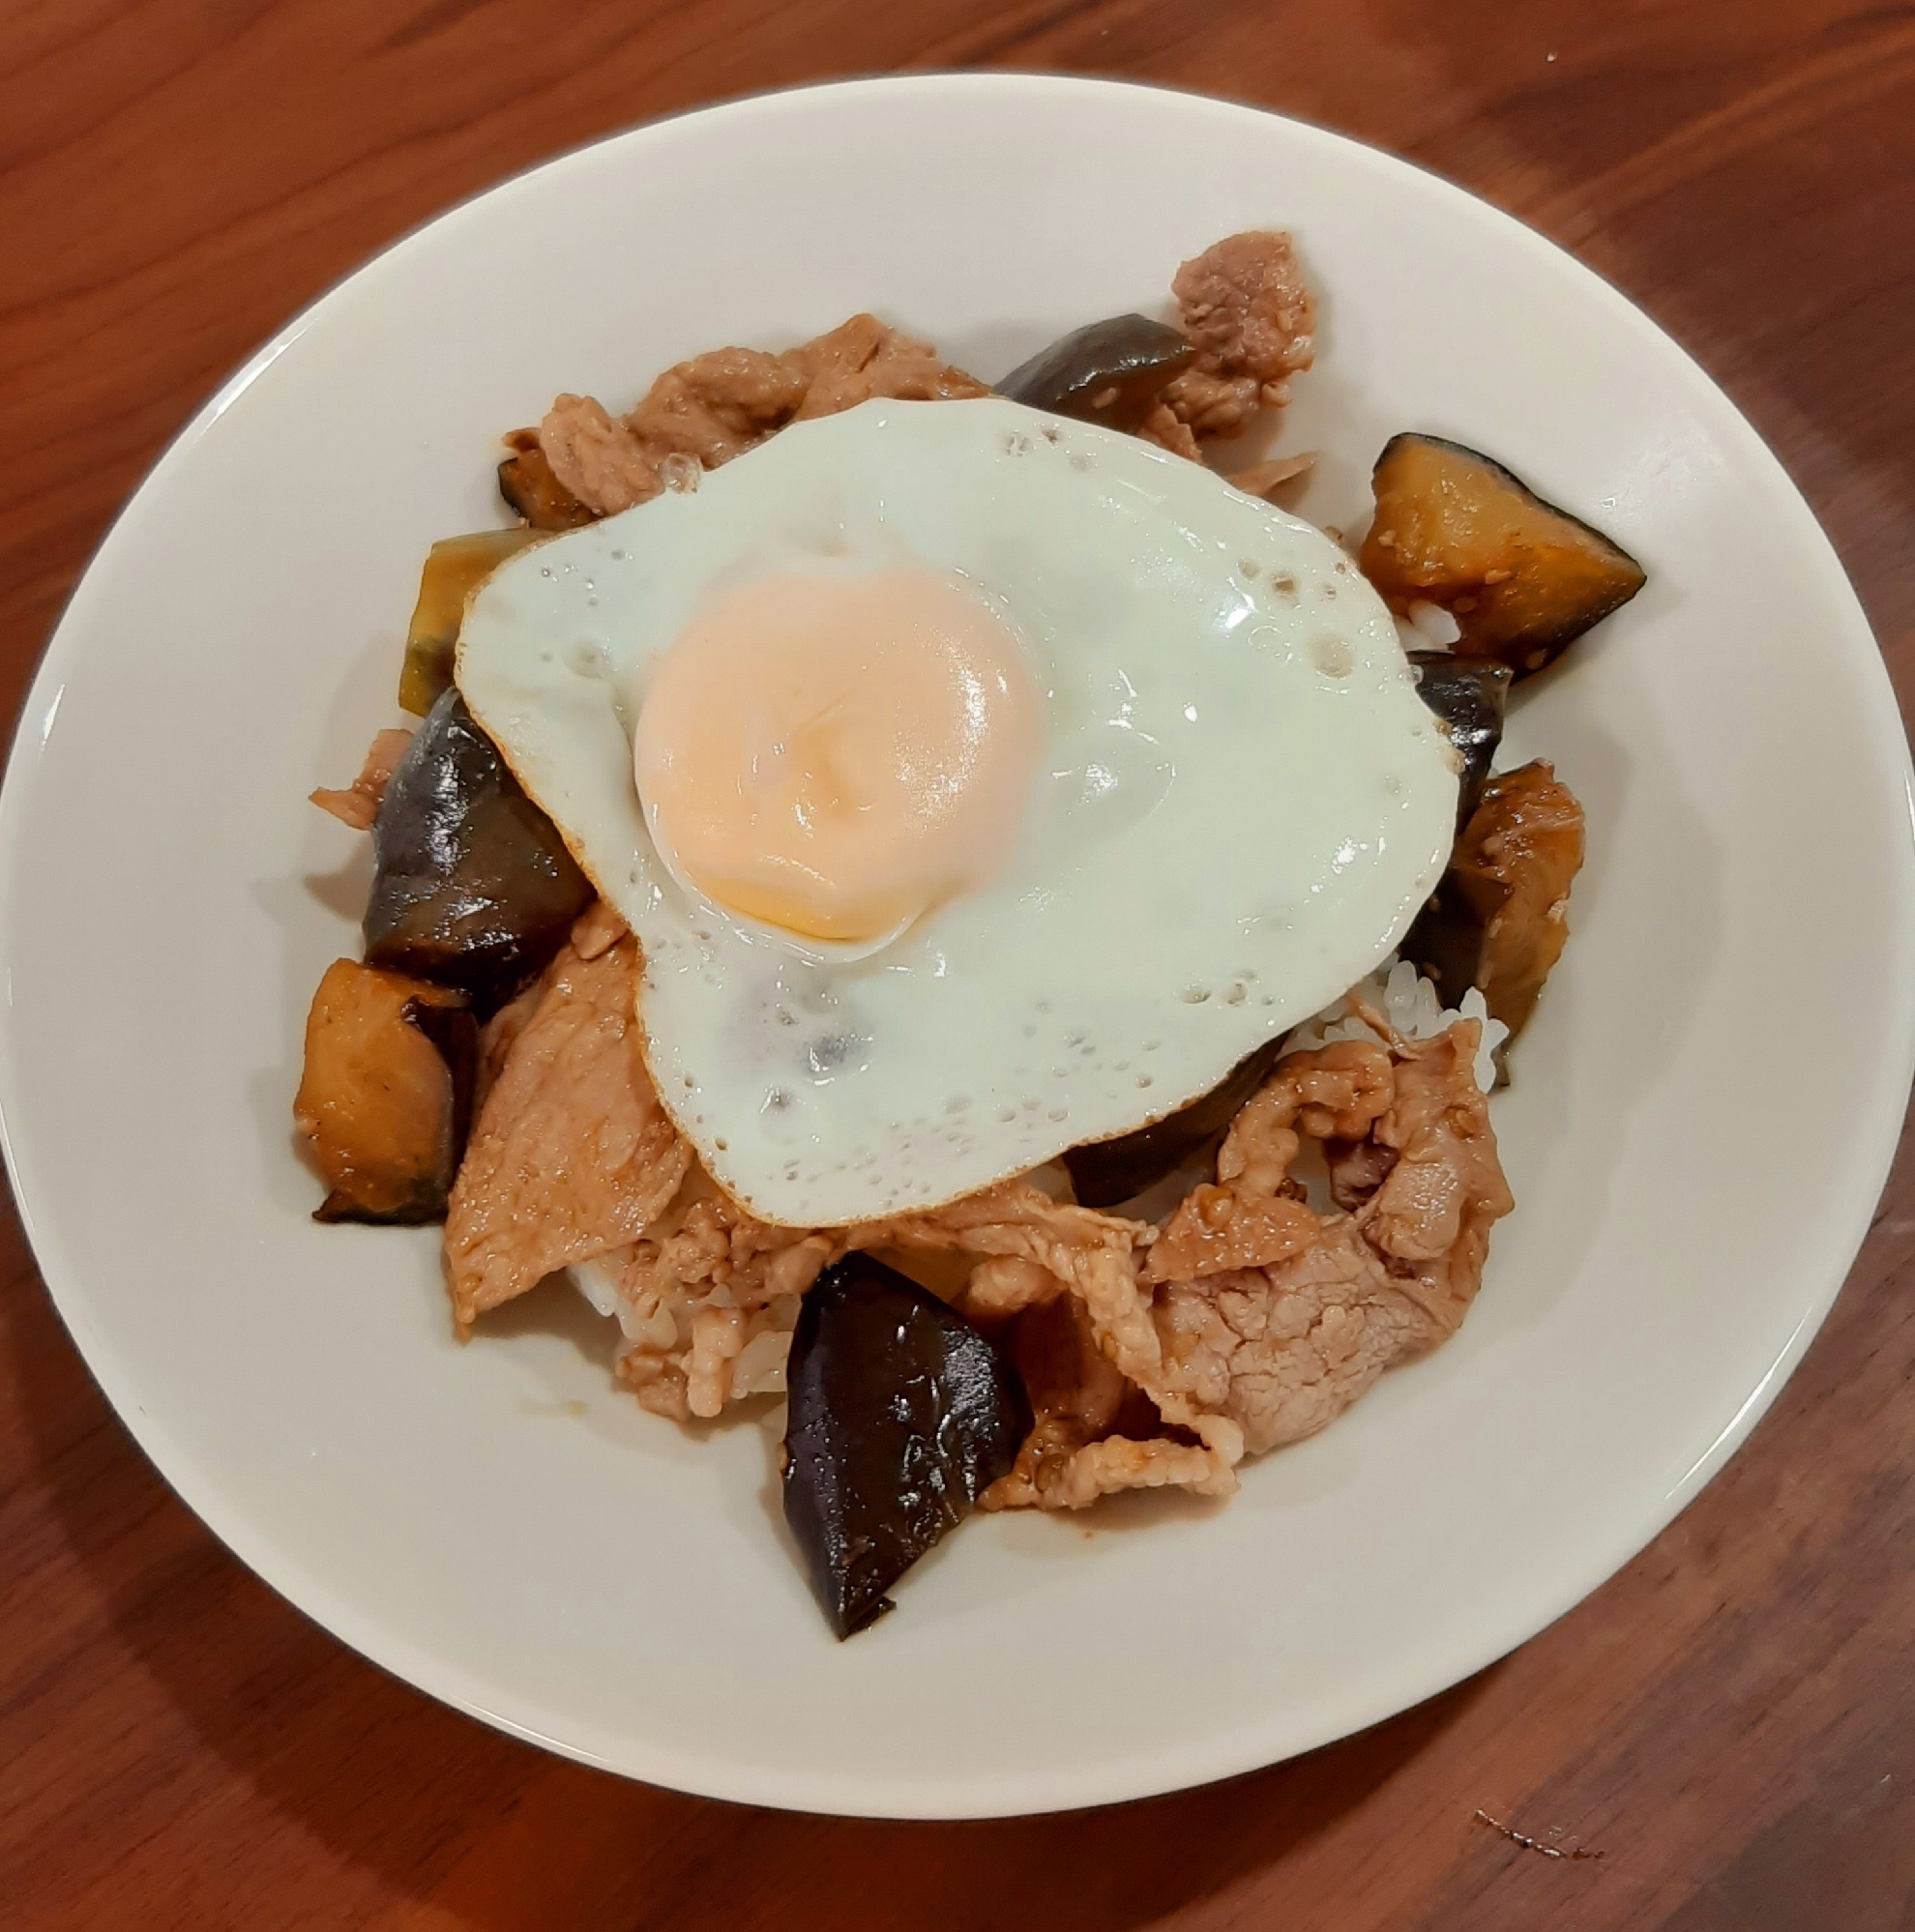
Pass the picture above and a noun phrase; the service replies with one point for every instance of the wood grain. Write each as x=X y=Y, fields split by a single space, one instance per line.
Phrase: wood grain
x=1730 y=1723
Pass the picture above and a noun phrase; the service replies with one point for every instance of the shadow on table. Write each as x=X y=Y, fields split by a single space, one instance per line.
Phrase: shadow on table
x=499 y=1837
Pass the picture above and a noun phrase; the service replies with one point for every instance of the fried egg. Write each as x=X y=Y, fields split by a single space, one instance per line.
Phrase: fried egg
x=978 y=783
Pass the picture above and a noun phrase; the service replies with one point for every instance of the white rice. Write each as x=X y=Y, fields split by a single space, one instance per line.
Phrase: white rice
x=758 y=1367
x=1429 y=627
x=592 y=1281
x=595 y=1281
x=1411 y=1005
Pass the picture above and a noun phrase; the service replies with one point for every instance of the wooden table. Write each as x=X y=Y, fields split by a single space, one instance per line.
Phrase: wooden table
x=1723 y=1739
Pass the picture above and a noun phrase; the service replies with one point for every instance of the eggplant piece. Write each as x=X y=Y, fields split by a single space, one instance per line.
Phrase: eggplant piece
x=1523 y=579
x=1469 y=695
x=1110 y=372
x=1499 y=916
x=472 y=886
x=455 y=568
x=532 y=491
x=385 y=1099
x=1104 y=1172
x=902 y=1414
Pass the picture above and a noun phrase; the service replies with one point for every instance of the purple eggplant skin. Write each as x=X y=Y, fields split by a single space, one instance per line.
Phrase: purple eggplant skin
x=1470 y=695
x=900 y=1413
x=456 y=1034
x=472 y=886
x=1110 y=372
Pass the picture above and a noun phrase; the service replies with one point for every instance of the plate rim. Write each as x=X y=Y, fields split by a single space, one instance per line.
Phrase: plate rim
x=1159 y=1768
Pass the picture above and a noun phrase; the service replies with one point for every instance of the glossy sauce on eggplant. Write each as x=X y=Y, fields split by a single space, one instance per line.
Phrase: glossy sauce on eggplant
x=902 y=1414
x=1523 y=578
x=1499 y=916
x=1110 y=372
x=472 y=886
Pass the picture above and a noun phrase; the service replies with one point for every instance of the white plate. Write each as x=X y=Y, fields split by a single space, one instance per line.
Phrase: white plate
x=1704 y=1111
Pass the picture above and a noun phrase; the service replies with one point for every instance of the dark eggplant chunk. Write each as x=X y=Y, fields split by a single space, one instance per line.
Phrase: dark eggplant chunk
x=1523 y=579
x=1105 y=1172
x=1110 y=372
x=532 y=491
x=385 y=1101
x=900 y=1415
x=1469 y=695
x=1499 y=916
x=472 y=885
x=454 y=1033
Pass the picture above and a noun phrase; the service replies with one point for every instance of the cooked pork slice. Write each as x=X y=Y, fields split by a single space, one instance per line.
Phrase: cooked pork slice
x=1077 y=1478
x=597 y=929
x=1431 y=1217
x=1168 y=431
x=1244 y=306
x=1287 y=1349
x=1255 y=1215
x=1092 y=1258
x=1265 y=478
x=1284 y=1347
x=706 y=1256
x=1090 y=1254
x=358 y=804
x=864 y=358
x=707 y=1241
x=716 y=406
x=571 y=1153
x=1072 y=1455
x=498 y=1036
x=1001 y=1285
x=703 y=412
x=696 y=416
x=595 y=456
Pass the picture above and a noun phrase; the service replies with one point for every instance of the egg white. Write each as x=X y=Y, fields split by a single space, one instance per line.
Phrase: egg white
x=1241 y=805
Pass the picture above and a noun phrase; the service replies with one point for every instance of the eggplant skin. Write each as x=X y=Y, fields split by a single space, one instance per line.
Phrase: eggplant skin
x=1110 y=372
x=1499 y=916
x=532 y=491
x=385 y=1098
x=455 y=568
x=1106 y=1172
x=900 y=1415
x=1470 y=695
x=472 y=886
x=1521 y=577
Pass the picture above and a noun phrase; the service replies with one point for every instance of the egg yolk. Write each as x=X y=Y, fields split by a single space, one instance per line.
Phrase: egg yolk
x=838 y=755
